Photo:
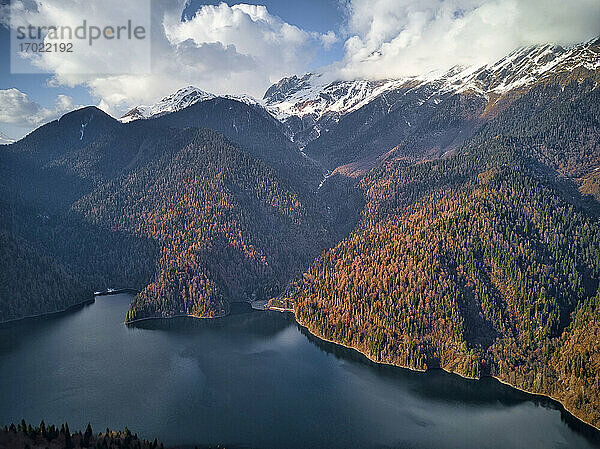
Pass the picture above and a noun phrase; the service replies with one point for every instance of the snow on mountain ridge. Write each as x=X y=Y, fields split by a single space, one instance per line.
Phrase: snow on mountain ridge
x=247 y=99
x=311 y=95
x=528 y=66
x=314 y=99
x=314 y=95
x=181 y=99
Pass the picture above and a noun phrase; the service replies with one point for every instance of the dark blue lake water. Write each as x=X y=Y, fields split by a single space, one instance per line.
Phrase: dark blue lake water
x=254 y=380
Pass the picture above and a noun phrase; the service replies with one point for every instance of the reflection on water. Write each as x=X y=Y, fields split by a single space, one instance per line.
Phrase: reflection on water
x=255 y=379
x=243 y=319
x=438 y=385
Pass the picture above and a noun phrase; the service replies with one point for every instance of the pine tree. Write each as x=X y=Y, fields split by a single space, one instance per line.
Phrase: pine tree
x=87 y=435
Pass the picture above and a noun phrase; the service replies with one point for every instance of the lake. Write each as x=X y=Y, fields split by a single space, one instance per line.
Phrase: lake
x=254 y=380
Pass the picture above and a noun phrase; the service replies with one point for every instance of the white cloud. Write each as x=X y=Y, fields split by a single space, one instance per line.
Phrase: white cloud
x=238 y=49
x=18 y=110
x=328 y=39
x=222 y=49
x=244 y=48
x=393 y=38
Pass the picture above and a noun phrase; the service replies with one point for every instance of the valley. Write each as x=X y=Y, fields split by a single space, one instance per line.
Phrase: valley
x=446 y=221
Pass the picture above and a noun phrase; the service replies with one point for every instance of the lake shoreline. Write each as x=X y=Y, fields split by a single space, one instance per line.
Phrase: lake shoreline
x=151 y=318
x=71 y=308
x=81 y=304
x=215 y=358
x=559 y=403
x=118 y=291
x=181 y=315
x=39 y=316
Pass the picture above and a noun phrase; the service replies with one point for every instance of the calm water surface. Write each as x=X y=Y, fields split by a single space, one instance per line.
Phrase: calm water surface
x=254 y=380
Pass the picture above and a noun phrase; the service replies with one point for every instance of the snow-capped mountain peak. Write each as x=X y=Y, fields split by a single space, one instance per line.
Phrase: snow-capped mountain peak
x=526 y=67
x=313 y=94
x=247 y=99
x=309 y=103
x=181 y=99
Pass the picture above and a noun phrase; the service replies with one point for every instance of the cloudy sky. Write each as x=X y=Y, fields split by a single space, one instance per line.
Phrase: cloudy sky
x=240 y=47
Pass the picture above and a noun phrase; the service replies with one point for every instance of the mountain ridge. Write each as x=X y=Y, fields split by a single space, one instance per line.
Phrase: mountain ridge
x=310 y=103
x=181 y=99
x=456 y=226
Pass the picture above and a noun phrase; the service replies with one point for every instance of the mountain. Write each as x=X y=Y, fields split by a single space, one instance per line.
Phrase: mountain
x=162 y=205
x=308 y=104
x=537 y=64
x=62 y=159
x=457 y=225
x=486 y=262
x=91 y=146
x=228 y=229
x=417 y=122
x=70 y=132
x=243 y=120
x=353 y=125
x=317 y=96
x=5 y=140
x=53 y=286
x=177 y=101
x=253 y=129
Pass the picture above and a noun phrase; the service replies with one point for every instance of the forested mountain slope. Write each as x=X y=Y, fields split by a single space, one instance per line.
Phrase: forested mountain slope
x=418 y=122
x=252 y=129
x=227 y=227
x=27 y=273
x=482 y=263
x=469 y=228
x=80 y=192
